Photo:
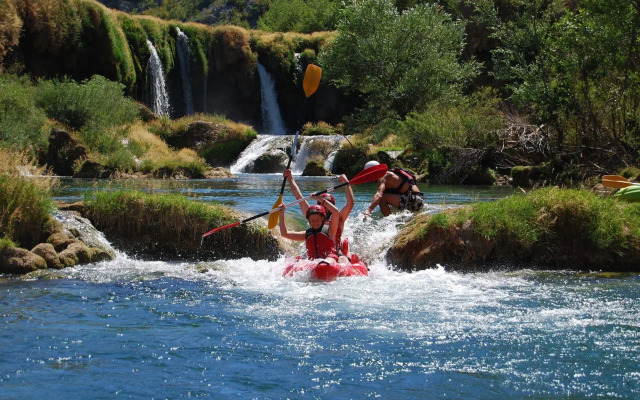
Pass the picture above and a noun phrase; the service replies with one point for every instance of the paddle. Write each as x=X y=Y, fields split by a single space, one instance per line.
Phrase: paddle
x=310 y=84
x=367 y=175
x=617 y=184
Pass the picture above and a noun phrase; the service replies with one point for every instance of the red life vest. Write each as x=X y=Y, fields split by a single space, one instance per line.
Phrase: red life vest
x=319 y=244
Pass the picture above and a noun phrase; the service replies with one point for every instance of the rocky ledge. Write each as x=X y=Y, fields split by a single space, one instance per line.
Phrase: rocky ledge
x=73 y=242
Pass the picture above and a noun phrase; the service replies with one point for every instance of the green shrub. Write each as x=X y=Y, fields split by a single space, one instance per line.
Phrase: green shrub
x=228 y=147
x=300 y=16
x=22 y=123
x=24 y=208
x=472 y=122
x=94 y=108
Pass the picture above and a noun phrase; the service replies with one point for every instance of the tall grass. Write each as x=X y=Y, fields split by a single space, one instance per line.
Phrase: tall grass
x=25 y=203
x=169 y=217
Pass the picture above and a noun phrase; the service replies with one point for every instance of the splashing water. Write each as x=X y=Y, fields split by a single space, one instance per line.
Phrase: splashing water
x=238 y=329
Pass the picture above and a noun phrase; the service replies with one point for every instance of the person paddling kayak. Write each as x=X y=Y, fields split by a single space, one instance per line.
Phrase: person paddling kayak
x=396 y=188
x=341 y=247
x=319 y=238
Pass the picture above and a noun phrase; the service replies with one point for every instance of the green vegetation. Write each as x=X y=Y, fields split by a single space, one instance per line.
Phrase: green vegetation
x=22 y=123
x=133 y=213
x=399 y=61
x=534 y=222
x=300 y=16
x=25 y=204
x=95 y=108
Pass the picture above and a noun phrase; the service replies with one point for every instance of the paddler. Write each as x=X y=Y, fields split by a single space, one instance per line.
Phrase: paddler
x=396 y=188
x=319 y=238
x=342 y=247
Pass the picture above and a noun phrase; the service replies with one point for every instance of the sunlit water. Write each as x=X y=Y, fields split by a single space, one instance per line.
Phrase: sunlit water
x=238 y=329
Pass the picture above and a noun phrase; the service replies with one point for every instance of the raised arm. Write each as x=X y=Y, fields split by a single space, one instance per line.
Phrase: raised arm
x=296 y=190
x=284 y=232
x=335 y=222
x=346 y=210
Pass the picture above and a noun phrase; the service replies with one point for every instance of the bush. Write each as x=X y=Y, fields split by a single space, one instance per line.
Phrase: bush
x=472 y=122
x=300 y=16
x=93 y=108
x=22 y=123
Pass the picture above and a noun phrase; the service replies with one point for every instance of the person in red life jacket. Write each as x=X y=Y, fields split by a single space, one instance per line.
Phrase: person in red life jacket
x=396 y=188
x=319 y=238
x=341 y=247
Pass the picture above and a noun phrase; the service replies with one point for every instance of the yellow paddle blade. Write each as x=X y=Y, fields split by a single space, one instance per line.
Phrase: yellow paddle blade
x=273 y=217
x=311 y=79
x=613 y=183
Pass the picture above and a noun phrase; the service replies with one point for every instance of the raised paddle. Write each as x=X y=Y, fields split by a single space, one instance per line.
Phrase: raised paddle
x=310 y=84
x=367 y=175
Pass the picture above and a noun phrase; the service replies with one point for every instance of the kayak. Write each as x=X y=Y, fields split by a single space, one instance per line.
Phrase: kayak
x=630 y=194
x=322 y=270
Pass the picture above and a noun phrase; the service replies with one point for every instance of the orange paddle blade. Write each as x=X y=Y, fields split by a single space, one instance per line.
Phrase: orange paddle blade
x=311 y=79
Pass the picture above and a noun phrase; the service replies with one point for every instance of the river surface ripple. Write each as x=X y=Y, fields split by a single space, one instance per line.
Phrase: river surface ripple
x=237 y=329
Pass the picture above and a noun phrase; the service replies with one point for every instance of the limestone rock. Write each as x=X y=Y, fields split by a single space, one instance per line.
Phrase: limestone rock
x=48 y=252
x=20 y=261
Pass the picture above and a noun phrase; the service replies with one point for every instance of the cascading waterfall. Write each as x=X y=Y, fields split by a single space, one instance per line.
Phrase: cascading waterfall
x=262 y=145
x=157 y=88
x=271 y=119
x=184 y=56
x=319 y=148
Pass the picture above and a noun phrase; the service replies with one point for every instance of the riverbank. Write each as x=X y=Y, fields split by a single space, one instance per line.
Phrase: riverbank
x=547 y=228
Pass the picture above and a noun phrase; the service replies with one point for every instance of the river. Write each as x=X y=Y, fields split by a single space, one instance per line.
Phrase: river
x=237 y=329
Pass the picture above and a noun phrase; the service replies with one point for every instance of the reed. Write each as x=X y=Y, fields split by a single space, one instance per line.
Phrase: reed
x=25 y=200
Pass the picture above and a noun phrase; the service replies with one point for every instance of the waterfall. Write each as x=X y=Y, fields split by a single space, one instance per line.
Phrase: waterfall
x=271 y=119
x=318 y=148
x=157 y=88
x=263 y=146
x=184 y=56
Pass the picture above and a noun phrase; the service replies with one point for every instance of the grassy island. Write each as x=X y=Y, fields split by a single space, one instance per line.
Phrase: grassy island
x=547 y=228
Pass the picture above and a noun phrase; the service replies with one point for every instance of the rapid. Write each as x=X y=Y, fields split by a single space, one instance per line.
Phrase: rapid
x=225 y=329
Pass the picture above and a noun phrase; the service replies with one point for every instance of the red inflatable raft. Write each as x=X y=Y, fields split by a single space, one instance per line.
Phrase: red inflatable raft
x=325 y=271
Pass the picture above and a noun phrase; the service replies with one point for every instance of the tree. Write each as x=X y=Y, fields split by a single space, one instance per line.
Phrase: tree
x=398 y=61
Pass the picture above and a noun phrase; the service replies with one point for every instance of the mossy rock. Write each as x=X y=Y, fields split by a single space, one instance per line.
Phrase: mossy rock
x=314 y=168
x=48 y=252
x=529 y=176
x=16 y=260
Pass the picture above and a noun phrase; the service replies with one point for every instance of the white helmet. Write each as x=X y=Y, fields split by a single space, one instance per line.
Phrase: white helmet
x=371 y=164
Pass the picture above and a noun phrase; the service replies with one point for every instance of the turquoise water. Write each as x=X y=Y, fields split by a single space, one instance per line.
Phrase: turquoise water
x=232 y=329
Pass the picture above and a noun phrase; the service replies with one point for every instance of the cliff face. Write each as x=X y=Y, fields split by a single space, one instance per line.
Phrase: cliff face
x=80 y=38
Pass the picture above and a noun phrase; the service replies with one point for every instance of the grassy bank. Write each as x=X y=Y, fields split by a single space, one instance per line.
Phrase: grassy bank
x=561 y=228
x=25 y=203
x=171 y=225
